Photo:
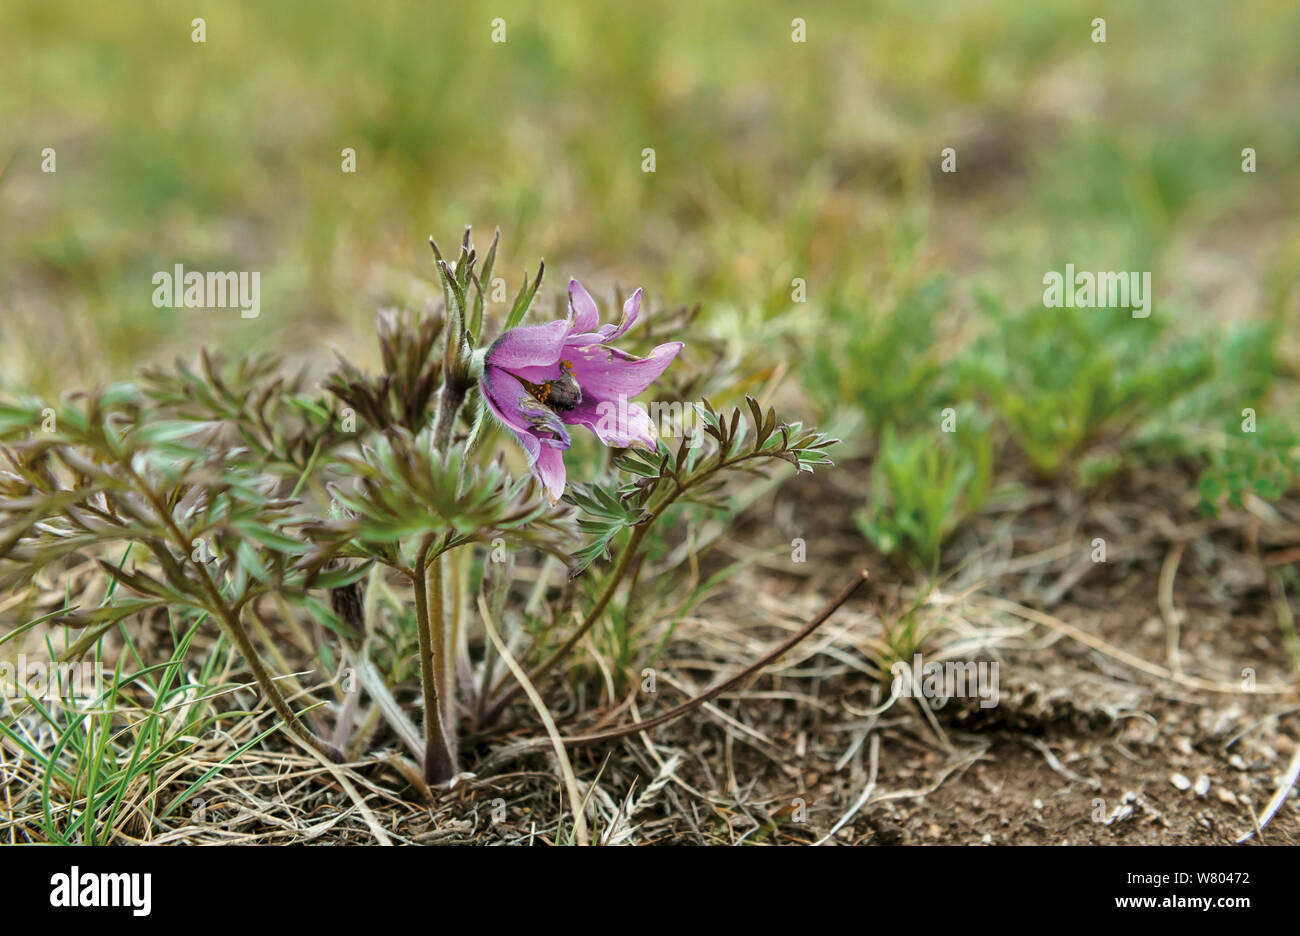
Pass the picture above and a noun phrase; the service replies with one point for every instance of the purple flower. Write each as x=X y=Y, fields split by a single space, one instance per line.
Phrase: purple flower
x=541 y=378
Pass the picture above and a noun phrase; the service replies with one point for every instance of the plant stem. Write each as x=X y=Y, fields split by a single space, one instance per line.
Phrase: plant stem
x=444 y=679
x=282 y=708
x=494 y=761
x=439 y=762
x=230 y=622
x=454 y=569
x=625 y=561
x=708 y=695
x=427 y=578
x=444 y=421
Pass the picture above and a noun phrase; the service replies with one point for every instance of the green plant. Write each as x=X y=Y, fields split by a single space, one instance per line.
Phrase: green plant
x=1264 y=461
x=1060 y=379
x=923 y=487
x=882 y=362
x=233 y=487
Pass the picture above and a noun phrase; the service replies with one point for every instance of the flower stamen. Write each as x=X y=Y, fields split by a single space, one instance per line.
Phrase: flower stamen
x=559 y=395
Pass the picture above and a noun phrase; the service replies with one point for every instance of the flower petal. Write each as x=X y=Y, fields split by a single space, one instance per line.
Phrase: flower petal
x=550 y=471
x=530 y=345
x=545 y=461
x=616 y=425
x=537 y=428
x=606 y=377
x=630 y=309
x=501 y=391
x=586 y=317
x=539 y=374
x=606 y=373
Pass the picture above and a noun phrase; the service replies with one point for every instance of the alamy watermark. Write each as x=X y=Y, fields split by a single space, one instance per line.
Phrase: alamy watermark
x=76 y=888
x=50 y=681
x=952 y=679
x=179 y=289
x=668 y=420
x=1086 y=290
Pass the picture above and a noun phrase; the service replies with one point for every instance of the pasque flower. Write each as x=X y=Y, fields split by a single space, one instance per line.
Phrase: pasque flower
x=539 y=379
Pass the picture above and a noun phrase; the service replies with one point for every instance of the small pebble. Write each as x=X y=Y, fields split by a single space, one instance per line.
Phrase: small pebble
x=1120 y=814
x=1181 y=782
x=1202 y=785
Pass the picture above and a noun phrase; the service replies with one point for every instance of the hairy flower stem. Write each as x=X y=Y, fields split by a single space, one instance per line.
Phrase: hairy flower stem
x=444 y=678
x=453 y=603
x=437 y=678
x=439 y=759
x=450 y=398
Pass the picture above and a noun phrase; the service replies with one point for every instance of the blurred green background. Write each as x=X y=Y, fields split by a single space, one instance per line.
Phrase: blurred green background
x=774 y=160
